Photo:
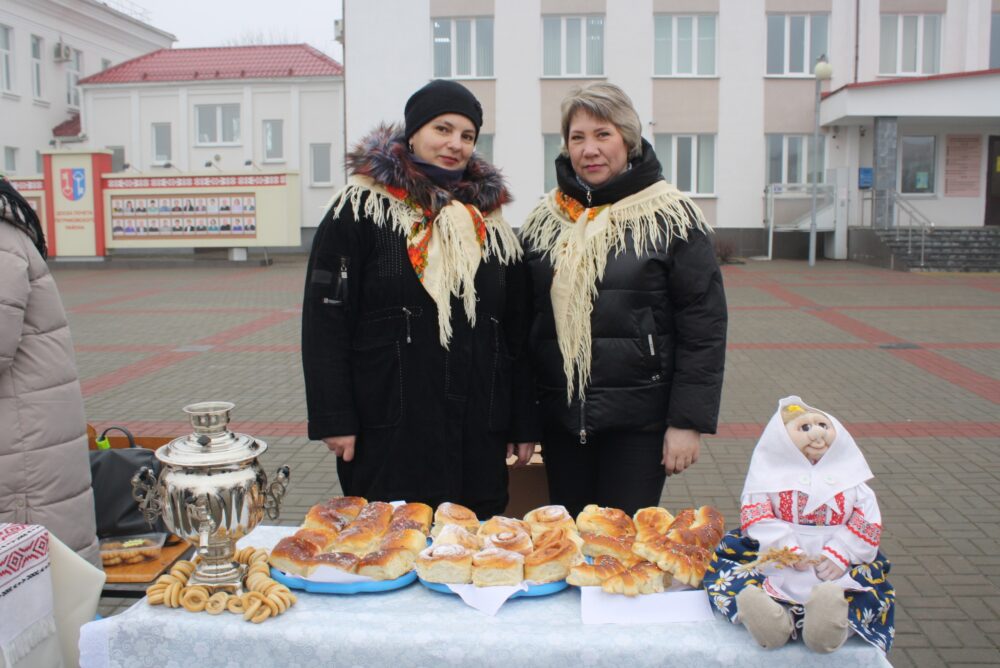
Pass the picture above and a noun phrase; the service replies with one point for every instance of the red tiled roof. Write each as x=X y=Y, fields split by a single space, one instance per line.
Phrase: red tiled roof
x=68 y=128
x=910 y=80
x=276 y=61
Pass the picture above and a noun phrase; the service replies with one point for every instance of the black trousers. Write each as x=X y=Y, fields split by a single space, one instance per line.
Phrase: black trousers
x=616 y=469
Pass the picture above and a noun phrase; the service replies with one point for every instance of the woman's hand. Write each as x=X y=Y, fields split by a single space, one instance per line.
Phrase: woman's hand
x=342 y=446
x=829 y=570
x=680 y=449
x=523 y=452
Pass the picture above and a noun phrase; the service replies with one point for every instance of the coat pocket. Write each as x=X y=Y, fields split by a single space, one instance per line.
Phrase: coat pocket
x=377 y=368
x=501 y=385
x=649 y=345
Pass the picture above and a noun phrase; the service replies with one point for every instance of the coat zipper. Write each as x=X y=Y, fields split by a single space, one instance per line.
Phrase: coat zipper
x=583 y=421
x=407 y=312
x=588 y=199
x=652 y=355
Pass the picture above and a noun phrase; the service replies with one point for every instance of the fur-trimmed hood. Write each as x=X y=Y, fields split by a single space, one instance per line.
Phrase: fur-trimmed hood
x=384 y=157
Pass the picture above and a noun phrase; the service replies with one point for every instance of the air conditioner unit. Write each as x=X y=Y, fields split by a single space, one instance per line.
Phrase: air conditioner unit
x=63 y=52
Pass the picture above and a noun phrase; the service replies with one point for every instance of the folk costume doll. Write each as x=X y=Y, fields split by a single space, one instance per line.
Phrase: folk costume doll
x=629 y=313
x=806 y=558
x=412 y=325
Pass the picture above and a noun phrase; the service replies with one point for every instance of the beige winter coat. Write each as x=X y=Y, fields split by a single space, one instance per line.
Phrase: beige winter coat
x=44 y=467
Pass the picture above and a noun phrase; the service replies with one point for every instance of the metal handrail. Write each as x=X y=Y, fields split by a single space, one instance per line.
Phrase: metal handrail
x=923 y=223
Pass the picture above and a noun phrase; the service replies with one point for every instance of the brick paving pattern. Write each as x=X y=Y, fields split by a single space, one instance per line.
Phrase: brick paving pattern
x=909 y=362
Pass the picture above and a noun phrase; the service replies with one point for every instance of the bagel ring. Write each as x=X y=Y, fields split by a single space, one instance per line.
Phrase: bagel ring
x=194 y=599
x=216 y=603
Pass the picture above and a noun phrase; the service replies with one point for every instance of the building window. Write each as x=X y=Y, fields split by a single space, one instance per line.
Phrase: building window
x=322 y=172
x=39 y=162
x=789 y=159
x=553 y=146
x=217 y=123
x=484 y=147
x=37 y=48
x=909 y=44
x=6 y=58
x=117 y=158
x=916 y=159
x=274 y=141
x=73 y=68
x=995 y=42
x=10 y=159
x=795 y=41
x=688 y=161
x=573 y=46
x=683 y=45
x=161 y=143
x=463 y=48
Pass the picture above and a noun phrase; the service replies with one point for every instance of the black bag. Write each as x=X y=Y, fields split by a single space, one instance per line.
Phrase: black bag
x=111 y=474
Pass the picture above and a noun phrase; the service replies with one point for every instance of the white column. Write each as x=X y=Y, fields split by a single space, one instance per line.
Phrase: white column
x=518 y=149
x=740 y=148
x=135 y=152
x=294 y=141
x=628 y=54
x=250 y=130
x=184 y=140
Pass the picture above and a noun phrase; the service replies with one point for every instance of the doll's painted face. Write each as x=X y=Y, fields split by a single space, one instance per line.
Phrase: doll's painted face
x=812 y=433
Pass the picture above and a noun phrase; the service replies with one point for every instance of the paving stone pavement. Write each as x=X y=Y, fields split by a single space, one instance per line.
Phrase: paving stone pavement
x=909 y=362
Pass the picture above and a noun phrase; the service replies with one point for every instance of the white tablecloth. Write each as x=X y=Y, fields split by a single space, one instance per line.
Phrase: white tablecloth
x=417 y=627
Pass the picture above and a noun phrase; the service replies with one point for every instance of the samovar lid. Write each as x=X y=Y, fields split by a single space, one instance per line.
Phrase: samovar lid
x=211 y=443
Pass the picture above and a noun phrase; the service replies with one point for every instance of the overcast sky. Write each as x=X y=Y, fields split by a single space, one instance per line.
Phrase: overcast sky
x=218 y=22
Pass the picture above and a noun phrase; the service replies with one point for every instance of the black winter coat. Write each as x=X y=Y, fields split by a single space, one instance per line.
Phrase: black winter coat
x=658 y=328
x=431 y=423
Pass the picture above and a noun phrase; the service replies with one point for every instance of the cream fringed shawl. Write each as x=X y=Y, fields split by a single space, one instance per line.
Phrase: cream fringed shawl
x=579 y=248
x=453 y=252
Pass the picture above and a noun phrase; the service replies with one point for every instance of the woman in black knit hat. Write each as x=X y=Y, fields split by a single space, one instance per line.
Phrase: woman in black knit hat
x=413 y=320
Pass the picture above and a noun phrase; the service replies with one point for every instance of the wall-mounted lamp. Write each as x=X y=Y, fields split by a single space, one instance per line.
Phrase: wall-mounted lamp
x=251 y=163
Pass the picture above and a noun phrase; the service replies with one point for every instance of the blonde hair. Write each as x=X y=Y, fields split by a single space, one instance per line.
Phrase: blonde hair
x=606 y=102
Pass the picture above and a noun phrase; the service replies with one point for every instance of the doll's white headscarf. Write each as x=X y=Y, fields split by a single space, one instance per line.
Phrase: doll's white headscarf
x=777 y=465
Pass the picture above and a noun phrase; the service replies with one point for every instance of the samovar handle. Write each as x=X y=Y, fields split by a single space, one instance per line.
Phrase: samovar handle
x=275 y=492
x=145 y=492
x=198 y=511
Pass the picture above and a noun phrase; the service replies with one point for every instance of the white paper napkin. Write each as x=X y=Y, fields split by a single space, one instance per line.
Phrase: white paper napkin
x=487 y=600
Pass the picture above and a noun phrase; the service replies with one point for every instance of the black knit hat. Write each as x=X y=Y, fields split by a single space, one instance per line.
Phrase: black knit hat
x=441 y=97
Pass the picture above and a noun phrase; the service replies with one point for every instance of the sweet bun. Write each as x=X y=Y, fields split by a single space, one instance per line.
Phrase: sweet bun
x=293 y=555
x=453 y=534
x=453 y=513
x=343 y=561
x=552 y=562
x=324 y=518
x=548 y=517
x=413 y=540
x=592 y=575
x=347 y=507
x=643 y=578
x=498 y=523
x=651 y=522
x=420 y=513
x=605 y=522
x=494 y=567
x=686 y=563
x=386 y=564
x=596 y=545
x=324 y=540
x=703 y=527
x=556 y=535
x=376 y=514
x=359 y=539
x=514 y=540
x=447 y=564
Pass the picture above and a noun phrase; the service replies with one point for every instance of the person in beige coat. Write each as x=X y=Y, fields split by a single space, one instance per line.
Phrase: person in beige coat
x=44 y=467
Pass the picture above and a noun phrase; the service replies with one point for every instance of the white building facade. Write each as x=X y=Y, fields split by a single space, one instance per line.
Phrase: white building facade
x=46 y=48
x=724 y=89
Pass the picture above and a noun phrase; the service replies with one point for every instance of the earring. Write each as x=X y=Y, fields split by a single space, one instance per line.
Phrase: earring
x=411 y=147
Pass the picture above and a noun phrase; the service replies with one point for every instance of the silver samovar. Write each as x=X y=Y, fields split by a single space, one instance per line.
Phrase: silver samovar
x=211 y=491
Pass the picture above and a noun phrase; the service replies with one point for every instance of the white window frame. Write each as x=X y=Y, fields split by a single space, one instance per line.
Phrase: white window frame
x=158 y=159
x=10 y=159
x=39 y=162
x=263 y=139
x=549 y=179
x=37 y=68
x=582 y=74
x=696 y=20
x=900 y=21
x=312 y=164
x=807 y=147
x=218 y=125
x=74 y=67
x=934 y=167
x=7 y=66
x=670 y=170
x=453 y=50
x=807 y=60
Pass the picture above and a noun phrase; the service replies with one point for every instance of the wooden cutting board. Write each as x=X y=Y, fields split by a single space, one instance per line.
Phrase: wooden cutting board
x=148 y=570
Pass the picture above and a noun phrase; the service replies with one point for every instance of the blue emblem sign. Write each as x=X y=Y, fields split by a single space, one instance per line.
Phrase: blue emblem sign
x=73 y=182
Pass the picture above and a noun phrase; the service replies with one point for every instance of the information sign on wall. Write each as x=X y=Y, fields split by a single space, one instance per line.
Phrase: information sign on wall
x=962 y=159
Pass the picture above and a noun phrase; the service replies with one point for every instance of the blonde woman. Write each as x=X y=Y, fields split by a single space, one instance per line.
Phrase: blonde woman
x=629 y=315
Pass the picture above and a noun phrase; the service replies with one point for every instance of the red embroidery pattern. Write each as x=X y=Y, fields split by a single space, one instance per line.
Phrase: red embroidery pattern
x=837 y=555
x=818 y=516
x=867 y=531
x=785 y=506
x=755 y=512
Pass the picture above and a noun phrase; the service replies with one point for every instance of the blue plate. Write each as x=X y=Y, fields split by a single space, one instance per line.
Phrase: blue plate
x=533 y=590
x=371 y=587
